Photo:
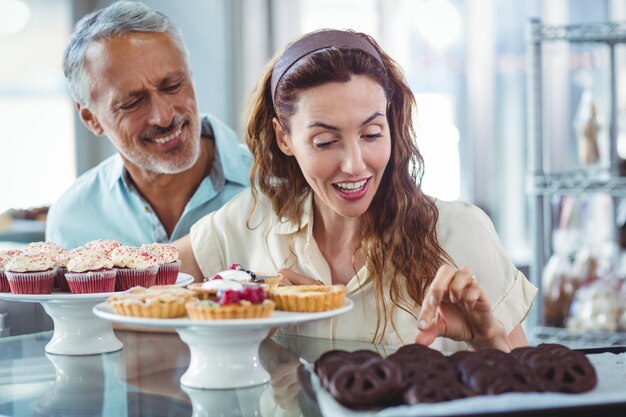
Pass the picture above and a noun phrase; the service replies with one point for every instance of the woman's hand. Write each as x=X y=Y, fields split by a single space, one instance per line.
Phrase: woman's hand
x=456 y=307
x=293 y=278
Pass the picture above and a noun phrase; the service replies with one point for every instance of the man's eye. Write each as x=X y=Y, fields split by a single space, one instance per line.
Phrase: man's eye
x=172 y=88
x=131 y=104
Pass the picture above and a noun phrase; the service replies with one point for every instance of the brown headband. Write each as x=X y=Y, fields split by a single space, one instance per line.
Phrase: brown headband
x=315 y=41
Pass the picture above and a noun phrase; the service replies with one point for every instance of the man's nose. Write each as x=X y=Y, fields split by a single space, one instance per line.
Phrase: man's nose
x=161 y=111
x=353 y=162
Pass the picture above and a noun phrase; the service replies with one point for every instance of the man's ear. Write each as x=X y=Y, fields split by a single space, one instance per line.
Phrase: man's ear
x=281 y=137
x=89 y=119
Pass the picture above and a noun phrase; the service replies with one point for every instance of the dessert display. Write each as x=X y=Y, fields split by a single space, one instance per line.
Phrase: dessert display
x=167 y=258
x=29 y=273
x=308 y=298
x=89 y=271
x=233 y=301
x=5 y=257
x=135 y=267
x=417 y=374
x=159 y=301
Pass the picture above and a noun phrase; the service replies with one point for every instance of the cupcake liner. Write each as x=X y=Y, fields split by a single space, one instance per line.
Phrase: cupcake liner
x=4 y=283
x=60 y=280
x=40 y=282
x=130 y=277
x=168 y=273
x=91 y=281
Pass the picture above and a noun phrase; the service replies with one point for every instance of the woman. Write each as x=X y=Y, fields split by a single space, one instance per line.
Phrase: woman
x=336 y=198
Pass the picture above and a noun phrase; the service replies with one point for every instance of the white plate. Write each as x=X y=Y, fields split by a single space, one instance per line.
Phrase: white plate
x=223 y=353
x=277 y=318
x=182 y=280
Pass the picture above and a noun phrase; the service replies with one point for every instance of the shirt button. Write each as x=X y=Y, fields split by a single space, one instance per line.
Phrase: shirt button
x=147 y=209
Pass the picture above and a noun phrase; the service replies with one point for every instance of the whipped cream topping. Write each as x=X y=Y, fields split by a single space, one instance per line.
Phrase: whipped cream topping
x=6 y=256
x=132 y=257
x=222 y=285
x=103 y=246
x=50 y=249
x=88 y=260
x=163 y=252
x=63 y=258
x=233 y=275
x=29 y=262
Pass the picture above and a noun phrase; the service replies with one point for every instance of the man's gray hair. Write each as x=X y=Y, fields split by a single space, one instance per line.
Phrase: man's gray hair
x=119 y=18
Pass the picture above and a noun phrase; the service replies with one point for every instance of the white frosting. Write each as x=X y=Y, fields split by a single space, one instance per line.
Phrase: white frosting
x=234 y=275
x=50 y=249
x=103 y=246
x=6 y=256
x=222 y=284
x=132 y=257
x=163 y=252
x=89 y=260
x=29 y=262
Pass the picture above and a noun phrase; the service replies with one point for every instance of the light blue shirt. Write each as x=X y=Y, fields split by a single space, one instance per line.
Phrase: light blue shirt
x=103 y=203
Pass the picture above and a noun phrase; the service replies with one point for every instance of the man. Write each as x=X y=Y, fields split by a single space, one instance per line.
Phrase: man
x=128 y=73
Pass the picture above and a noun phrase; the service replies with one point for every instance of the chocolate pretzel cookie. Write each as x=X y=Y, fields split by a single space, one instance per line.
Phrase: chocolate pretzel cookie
x=377 y=382
x=331 y=361
x=559 y=368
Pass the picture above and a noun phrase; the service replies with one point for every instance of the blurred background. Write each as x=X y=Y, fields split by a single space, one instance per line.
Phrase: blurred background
x=466 y=61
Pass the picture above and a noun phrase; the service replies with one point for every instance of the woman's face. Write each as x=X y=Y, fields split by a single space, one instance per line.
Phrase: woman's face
x=340 y=138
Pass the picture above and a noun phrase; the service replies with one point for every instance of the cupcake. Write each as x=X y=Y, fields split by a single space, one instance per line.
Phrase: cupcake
x=60 y=264
x=30 y=273
x=169 y=264
x=159 y=301
x=53 y=251
x=248 y=302
x=103 y=246
x=308 y=298
x=89 y=271
x=135 y=267
x=5 y=257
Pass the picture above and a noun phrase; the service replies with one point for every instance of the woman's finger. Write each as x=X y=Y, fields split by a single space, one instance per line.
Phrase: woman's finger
x=294 y=278
x=438 y=288
x=460 y=282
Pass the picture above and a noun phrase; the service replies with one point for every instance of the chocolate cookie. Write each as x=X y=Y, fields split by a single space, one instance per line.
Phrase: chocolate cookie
x=375 y=383
x=559 y=368
x=331 y=361
x=421 y=364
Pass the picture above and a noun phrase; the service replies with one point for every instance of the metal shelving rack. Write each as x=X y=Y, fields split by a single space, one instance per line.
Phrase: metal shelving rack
x=542 y=185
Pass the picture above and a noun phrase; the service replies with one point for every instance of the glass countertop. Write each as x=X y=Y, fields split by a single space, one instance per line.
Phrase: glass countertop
x=143 y=379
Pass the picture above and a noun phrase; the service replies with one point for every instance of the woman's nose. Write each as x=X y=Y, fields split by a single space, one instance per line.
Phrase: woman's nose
x=353 y=162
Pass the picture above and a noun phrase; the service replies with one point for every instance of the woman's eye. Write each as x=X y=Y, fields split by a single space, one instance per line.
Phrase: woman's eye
x=323 y=145
x=373 y=136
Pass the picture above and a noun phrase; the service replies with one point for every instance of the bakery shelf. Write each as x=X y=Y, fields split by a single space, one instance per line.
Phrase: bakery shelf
x=575 y=340
x=577 y=183
x=606 y=32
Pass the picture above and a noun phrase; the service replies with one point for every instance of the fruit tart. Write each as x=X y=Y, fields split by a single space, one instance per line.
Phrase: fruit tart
x=243 y=302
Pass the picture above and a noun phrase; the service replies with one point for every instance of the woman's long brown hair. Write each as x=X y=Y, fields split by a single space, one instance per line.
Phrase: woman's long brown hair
x=399 y=236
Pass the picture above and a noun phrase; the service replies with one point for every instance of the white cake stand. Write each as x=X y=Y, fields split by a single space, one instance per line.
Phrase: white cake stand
x=224 y=353
x=77 y=331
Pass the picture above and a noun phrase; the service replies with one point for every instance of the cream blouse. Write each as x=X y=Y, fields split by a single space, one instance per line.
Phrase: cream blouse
x=266 y=244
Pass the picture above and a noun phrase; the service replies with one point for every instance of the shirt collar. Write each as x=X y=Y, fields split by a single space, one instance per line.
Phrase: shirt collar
x=227 y=151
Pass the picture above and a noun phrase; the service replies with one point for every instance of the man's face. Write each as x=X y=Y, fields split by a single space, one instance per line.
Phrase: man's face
x=142 y=98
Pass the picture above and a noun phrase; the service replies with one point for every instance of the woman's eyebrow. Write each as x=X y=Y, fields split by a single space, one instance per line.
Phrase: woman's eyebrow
x=330 y=127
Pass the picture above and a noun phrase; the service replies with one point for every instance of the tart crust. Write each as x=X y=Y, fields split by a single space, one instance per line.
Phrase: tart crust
x=156 y=302
x=202 y=311
x=308 y=298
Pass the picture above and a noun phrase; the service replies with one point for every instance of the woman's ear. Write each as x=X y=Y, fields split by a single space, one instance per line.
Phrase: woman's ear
x=281 y=137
